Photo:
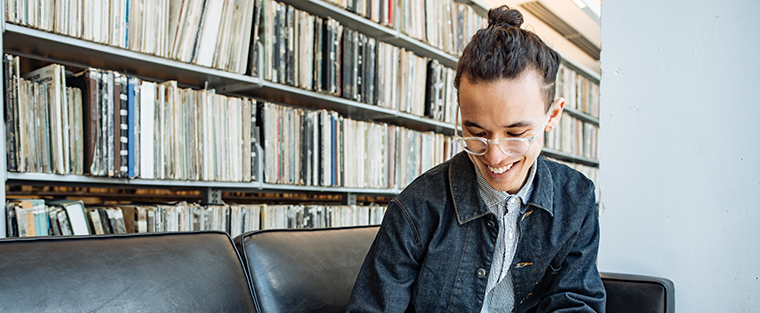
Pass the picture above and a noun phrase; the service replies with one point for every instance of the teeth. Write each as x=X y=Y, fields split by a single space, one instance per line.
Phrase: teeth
x=499 y=170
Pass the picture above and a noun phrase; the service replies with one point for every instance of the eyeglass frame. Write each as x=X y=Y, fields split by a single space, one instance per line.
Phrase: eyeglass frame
x=529 y=141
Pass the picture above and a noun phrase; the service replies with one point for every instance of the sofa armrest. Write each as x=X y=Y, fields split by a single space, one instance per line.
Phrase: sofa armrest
x=628 y=293
x=163 y=272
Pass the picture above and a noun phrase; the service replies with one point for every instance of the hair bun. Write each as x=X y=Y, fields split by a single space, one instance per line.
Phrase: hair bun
x=504 y=16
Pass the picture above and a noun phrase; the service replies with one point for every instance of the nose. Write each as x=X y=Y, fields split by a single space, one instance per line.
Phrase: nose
x=493 y=154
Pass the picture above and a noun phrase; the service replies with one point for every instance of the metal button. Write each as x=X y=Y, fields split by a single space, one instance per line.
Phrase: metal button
x=480 y=273
x=490 y=224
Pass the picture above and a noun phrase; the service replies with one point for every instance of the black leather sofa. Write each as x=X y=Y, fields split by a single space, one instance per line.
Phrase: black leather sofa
x=288 y=270
x=313 y=270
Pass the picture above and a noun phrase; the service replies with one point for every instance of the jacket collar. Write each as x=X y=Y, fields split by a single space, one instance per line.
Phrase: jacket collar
x=464 y=189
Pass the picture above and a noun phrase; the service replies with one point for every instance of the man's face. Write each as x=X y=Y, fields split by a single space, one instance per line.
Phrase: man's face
x=505 y=109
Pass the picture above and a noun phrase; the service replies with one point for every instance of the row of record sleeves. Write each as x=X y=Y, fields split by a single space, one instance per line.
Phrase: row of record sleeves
x=41 y=217
x=221 y=33
x=312 y=53
x=114 y=125
x=575 y=137
x=580 y=93
x=215 y=33
x=444 y=24
x=321 y=148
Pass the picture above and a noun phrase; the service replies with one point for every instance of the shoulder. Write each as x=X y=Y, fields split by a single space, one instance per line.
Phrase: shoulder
x=571 y=191
x=433 y=184
x=427 y=201
x=566 y=178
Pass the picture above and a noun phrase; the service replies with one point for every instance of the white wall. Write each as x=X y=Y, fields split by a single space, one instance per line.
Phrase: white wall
x=680 y=148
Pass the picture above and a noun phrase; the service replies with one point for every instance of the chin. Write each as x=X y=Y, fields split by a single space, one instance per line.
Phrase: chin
x=507 y=177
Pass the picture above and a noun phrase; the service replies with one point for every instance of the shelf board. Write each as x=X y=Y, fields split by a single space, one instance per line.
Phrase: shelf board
x=347 y=108
x=582 y=116
x=91 y=181
x=424 y=50
x=365 y=191
x=580 y=68
x=564 y=156
x=344 y=17
x=413 y=121
x=81 y=53
x=311 y=99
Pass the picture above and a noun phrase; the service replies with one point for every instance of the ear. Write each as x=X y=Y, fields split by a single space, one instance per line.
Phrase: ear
x=559 y=106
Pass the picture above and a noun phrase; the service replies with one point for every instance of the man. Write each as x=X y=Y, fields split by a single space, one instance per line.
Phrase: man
x=496 y=228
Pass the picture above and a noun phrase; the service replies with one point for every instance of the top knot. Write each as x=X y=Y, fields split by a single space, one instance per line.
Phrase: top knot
x=504 y=16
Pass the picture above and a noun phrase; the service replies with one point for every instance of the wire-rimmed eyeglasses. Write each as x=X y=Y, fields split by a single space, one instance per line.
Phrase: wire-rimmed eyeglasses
x=510 y=146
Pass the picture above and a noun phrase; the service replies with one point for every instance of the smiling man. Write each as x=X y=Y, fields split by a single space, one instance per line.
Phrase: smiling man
x=496 y=228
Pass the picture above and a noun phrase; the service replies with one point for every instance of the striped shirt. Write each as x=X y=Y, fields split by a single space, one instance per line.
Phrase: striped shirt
x=500 y=293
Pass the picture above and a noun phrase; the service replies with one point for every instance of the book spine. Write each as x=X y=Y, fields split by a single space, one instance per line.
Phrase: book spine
x=11 y=120
x=131 y=133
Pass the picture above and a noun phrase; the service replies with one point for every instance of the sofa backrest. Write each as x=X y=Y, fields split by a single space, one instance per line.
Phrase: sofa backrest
x=305 y=270
x=167 y=272
x=314 y=270
x=628 y=293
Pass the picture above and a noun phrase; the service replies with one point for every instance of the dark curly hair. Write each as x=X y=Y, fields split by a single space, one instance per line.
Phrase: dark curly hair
x=504 y=51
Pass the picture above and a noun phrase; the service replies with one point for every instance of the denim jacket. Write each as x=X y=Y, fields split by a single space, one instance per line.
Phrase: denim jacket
x=437 y=239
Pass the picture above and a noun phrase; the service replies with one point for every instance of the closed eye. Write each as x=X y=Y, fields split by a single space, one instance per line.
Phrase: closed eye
x=476 y=132
x=520 y=134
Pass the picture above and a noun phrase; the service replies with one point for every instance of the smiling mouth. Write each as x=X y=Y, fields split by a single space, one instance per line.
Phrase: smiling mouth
x=499 y=170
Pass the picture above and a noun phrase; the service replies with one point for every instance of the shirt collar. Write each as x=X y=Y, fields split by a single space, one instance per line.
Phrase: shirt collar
x=468 y=203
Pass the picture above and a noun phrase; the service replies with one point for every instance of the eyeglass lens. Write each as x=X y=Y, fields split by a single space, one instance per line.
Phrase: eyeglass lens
x=511 y=147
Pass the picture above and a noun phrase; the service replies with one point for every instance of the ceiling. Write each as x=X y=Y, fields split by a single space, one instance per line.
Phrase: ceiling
x=581 y=20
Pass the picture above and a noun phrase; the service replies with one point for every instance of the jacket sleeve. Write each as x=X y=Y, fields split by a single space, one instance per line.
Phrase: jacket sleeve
x=385 y=280
x=577 y=286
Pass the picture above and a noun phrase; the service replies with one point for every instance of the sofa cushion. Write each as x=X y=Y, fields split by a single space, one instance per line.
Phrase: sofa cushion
x=305 y=270
x=166 y=272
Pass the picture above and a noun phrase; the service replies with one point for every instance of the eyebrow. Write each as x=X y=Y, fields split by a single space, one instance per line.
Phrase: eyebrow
x=513 y=125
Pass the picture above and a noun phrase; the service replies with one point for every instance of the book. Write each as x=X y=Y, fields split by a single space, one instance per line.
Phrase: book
x=133 y=89
x=75 y=211
x=24 y=213
x=75 y=130
x=370 y=70
x=11 y=113
x=248 y=16
x=208 y=32
x=50 y=113
x=95 y=222
x=114 y=132
x=64 y=222
x=148 y=96
x=121 y=120
x=89 y=82
x=41 y=222
x=11 y=224
x=254 y=53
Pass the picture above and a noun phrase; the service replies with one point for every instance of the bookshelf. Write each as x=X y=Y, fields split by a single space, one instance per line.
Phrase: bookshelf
x=77 y=53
